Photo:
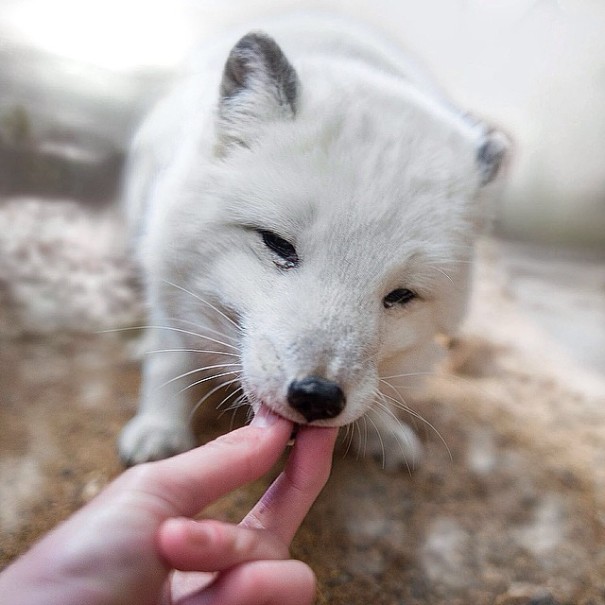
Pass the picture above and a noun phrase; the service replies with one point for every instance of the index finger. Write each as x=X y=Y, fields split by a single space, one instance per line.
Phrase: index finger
x=285 y=504
x=187 y=483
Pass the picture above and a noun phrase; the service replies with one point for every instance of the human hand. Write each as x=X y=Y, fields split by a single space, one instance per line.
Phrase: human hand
x=122 y=546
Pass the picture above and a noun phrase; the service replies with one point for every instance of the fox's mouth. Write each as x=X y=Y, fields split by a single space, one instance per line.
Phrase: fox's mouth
x=264 y=409
x=282 y=411
x=291 y=415
x=309 y=400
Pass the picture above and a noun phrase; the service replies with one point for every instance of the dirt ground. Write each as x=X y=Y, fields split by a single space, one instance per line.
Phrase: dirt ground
x=507 y=508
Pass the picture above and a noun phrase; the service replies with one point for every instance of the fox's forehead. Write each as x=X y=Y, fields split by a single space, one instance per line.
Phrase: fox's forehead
x=383 y=191
x=358 y=154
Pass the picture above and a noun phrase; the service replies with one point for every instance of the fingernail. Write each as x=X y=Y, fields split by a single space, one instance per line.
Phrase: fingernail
x=264 y=418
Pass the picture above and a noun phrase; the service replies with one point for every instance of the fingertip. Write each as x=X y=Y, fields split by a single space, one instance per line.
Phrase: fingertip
x=265 y=418
x=271 y=423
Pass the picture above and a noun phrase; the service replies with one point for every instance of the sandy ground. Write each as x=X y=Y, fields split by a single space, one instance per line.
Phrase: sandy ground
x=508 y=507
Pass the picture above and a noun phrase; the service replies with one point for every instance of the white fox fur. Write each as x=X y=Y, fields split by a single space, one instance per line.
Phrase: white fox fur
x=332 y=142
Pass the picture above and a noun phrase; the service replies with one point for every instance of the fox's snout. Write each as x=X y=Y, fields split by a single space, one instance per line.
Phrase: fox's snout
x=316 y=398
x=325 y=380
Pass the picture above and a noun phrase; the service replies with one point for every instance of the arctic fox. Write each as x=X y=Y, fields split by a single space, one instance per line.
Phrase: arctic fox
x=305 y=204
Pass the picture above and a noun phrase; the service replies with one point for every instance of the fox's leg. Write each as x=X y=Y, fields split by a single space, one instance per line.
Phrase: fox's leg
x=393 y=443
x=390 y=440
x=161 y=427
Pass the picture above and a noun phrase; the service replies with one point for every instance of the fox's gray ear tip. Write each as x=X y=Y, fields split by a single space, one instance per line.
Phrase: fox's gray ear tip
x=254 y=39
x=256 y=62
x=245 y=53
x=253 y=43
x=491 y=154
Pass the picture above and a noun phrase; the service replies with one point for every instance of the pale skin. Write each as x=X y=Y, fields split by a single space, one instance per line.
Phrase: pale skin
x=138 y=544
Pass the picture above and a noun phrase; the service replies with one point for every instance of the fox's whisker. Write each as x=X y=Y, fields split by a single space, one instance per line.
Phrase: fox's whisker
x=237 y=403
x=399 y=399
x=347 y=438
x=203 y=327
x=210 y=352
x=414 y=414
x=405 y=375
x=209 y=394
x=234 y=407
x=201 y=369
x=382 y=449
x=243 y=400
x=438 y=269
x=172 y=329
x=205 y=302
x=213 y=377
x=384 y=408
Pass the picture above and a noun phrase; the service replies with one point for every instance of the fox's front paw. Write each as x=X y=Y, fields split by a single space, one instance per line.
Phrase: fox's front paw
x=396 y=447
x=147 y=438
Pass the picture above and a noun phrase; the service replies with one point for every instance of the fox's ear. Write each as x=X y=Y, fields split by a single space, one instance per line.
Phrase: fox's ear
x=491 y=154
x=259 y=85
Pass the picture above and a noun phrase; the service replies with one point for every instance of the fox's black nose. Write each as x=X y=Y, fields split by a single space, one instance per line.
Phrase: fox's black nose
x=316 y=398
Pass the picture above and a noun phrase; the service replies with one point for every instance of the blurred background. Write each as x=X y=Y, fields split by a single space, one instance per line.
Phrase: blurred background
x=76 y=77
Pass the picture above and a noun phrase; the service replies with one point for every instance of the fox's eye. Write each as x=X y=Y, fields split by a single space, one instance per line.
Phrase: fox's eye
x=286 y=252
x=401 y=296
